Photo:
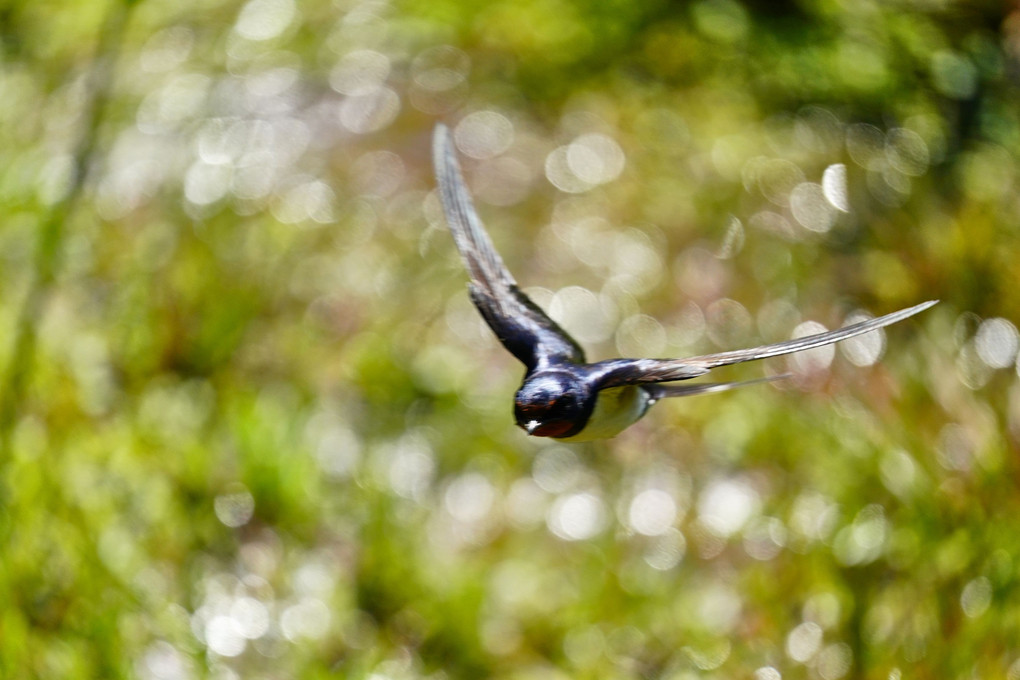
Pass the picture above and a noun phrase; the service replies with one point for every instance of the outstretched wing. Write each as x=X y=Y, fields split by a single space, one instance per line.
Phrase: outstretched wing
x=519 y=323
x=616 y=372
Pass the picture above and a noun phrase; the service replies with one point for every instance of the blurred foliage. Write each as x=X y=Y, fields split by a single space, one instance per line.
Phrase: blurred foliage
x=252 y=427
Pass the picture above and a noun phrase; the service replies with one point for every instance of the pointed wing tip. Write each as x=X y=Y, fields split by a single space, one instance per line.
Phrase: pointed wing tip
x=911 y=311
x=894 y=317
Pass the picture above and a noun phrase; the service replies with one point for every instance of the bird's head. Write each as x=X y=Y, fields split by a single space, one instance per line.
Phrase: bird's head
x=553 y=405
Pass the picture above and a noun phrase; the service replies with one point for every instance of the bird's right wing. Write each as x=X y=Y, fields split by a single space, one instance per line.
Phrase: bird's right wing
x=523 y=328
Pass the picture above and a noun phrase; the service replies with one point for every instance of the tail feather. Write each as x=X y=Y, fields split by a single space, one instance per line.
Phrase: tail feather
x=665 y=390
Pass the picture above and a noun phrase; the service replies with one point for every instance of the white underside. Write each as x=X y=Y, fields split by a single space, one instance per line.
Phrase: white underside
x=616 y=409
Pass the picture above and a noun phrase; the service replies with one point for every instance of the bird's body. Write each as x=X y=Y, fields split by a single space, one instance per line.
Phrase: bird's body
x=616 y=409
x=563 y=396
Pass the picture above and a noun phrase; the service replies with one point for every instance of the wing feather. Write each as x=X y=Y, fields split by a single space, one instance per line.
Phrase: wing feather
x=635 y=371
x=664 y=390
x=521 y=325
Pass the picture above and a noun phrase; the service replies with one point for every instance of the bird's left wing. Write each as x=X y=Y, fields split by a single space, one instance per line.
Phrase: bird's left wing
x=616 y=372
x=519 y=323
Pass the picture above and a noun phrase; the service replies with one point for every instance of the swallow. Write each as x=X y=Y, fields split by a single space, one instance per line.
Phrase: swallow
x=562 y=396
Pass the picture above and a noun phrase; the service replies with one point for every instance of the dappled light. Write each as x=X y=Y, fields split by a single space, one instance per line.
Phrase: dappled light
x=252 y=426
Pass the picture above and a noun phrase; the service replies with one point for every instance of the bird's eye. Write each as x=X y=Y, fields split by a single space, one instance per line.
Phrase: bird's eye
x=562 y=405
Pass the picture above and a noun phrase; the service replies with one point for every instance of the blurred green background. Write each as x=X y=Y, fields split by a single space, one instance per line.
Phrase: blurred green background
x=251 y=426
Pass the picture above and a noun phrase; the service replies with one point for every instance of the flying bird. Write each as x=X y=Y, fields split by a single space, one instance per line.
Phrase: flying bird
x=563 y=396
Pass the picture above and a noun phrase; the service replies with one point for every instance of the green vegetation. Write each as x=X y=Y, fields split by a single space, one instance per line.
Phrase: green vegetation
x=251 y=427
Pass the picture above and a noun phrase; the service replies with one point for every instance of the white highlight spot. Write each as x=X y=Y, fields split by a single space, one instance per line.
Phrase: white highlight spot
x=834 y=187
x=588 y=161
x=560 y=175
x=652 y=512
x=251 y=617
x=576 y=517
x=726 y=505
x=224 y=636
x=265 y=19
x=976 y=597
x=767 y=673
x=996 y=342
x=484 y=134
x=667 y=550
x=235 y=509
x=811 y=207
x=162 y=661
x=205 y=183
x=595 y=158
x=803 y=641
